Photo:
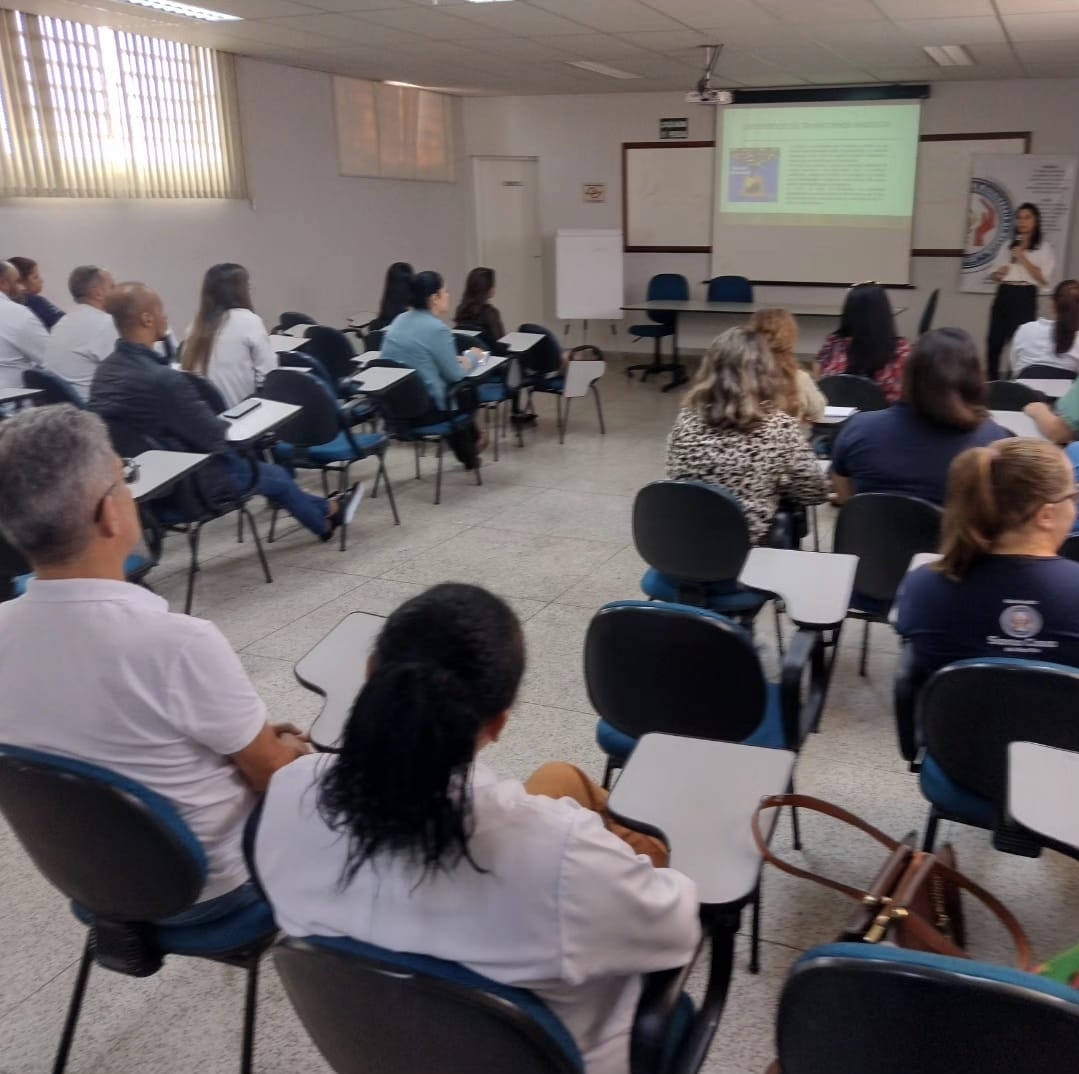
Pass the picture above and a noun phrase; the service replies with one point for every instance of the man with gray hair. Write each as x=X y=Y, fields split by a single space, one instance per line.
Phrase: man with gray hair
x=23 y=337
x=83 y=339
x=157 y=697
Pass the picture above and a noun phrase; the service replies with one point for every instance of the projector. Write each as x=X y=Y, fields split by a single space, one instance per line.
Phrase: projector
x=710 y=96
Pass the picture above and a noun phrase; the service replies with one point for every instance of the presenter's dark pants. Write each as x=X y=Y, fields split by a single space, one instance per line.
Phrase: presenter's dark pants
x=1014 y=304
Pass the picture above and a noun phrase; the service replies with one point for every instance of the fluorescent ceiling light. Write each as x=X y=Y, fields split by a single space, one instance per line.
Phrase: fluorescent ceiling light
x=404 y=85
x=600 y=69
x=949 y=55
x=172 y=7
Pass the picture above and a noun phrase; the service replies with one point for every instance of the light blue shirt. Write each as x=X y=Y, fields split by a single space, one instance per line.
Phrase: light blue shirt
x=418 y=339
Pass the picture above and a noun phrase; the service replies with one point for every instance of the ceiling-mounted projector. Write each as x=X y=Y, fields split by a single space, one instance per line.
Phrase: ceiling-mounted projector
x=704 y=93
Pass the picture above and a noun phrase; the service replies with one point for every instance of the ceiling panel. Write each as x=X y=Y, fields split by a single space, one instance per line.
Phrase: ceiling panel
x=822 y=10
x=1011 y=7
x=934 y=9
x=962 y=31
x=592 y=46
x=517 y=18
x=734 y=14
x=671 y=41
x=434 y=22
x=1051 y=26
x=622 y=16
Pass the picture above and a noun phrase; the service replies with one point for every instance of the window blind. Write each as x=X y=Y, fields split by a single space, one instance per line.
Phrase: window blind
x=89 y=112
x=393 y=132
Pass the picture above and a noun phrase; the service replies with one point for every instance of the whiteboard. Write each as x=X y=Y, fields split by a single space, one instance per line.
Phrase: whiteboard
x=588 y=275
x=668 y=196
x=942 y=191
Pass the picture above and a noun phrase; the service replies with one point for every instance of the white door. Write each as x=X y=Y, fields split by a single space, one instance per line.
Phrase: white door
x=508 y=235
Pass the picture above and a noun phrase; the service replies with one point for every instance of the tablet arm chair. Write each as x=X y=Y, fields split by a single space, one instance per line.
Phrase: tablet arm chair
x=925 y=322
x=1011 y=395
x=126 y=859
x=853 y=1008
x=370 y=1009
x=56 y=389
x=845 y=389
x=969 y=713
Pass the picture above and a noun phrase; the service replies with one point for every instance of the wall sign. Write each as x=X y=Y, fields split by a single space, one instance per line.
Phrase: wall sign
x=595 y=192
x=673 y=128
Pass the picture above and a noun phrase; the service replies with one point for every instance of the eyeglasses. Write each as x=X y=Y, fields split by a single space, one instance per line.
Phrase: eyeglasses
x=131 y=475
x=1073 y=495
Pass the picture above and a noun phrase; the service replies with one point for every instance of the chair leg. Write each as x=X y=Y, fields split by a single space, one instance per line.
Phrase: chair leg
x=755 y=931
x=251 y=992
x=416 y=449
x=75 y=1006
x=865 y=650
x=608 y=772
x=258 y=543
x=931 y=830
x=796 y=830
x=193 y=567
x=438 y=477
x=779 y=629
x=378 y=480
x=565 y=423
x=599 y=411
x=240 y=527
x=342 y=487
x=273 y=527
x=383 y=473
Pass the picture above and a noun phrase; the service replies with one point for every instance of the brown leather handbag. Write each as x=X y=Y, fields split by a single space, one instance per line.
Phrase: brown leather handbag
x=913 y=902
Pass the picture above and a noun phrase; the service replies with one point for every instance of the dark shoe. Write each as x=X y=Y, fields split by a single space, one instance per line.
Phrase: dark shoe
x=523 y=419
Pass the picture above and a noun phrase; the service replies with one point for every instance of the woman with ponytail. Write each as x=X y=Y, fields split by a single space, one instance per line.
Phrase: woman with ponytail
x=405 y=840
x=1050 y=342
x=999 y=589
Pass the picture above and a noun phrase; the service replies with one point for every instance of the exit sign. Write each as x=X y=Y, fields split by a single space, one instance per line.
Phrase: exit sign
x=674 y=128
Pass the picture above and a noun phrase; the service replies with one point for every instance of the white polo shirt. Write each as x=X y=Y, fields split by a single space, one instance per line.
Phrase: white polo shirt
x=242 y=355
x=1033 y=343
x=1043 y=258
x=102 y=671
x=565 y=908
x=23 y=339
x=79 y=343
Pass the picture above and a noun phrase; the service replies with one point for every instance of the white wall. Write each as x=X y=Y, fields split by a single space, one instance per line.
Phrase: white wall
x=579 y=140
x=314 y=240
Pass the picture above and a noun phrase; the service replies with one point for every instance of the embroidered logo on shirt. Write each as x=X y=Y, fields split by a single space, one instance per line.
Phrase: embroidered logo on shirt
x=1021 y=621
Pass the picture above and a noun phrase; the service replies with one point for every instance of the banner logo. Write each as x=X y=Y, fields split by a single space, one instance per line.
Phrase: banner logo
x=990 y=224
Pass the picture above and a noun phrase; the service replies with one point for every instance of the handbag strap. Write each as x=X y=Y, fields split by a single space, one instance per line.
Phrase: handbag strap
x=816 y=805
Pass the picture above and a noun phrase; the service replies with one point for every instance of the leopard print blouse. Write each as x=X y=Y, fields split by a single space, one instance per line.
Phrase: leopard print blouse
x=759 y=467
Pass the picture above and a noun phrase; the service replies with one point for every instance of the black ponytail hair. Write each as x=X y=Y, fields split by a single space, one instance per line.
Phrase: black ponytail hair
x=423 y=286
x=445 y=665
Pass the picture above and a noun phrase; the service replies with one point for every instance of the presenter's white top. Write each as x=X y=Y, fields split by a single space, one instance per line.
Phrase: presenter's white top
x=23 y=339
x=242 y=355
x=1034 y=344
x=78 y=344
x=103 y=672
x=564 y=908
x=1043 y=257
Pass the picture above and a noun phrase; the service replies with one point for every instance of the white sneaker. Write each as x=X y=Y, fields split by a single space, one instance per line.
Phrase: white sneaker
x=354 y=500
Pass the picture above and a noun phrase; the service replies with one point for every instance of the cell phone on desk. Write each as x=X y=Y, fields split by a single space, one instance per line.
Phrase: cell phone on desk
x=240 y=409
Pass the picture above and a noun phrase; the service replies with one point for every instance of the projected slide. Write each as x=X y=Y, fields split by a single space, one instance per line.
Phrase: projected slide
x=843 y=168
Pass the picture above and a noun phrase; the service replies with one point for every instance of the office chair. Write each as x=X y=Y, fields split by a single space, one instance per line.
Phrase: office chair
x=730 y=289
x=667 y=286
x=845 y=389
x=851 y=1008
x=1038 y=371
x=1011 y=395
x=290 y=319
x=126 y=859
x=370 y=1009
x=885 y=530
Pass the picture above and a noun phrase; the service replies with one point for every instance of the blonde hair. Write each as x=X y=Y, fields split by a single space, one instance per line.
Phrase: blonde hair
x=736 y=383
x=995 y=489
x=780 y=330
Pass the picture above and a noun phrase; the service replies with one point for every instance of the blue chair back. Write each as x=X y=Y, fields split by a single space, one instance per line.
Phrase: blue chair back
x=332 y=348
x=730 y=289
x=845 y=389
x=117 y=849
x=291 y=318
x=851 y=1008
x=300 y=360
x=55 y=387
x=675 y=669
x=970 y=711
x=666 y=287
x=319 y=420
x=369 y=1009
x=546 y=356
x=886 y=531
x=692 y=532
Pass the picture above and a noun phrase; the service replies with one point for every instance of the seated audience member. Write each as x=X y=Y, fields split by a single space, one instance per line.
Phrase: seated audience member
x=31 y=283
x=1053 y=343
x=1000 y=588
x=154 y=696
x=228 y=343
x=135 y=391
x=396 y=295
x=731 y=432
x=86 y=336
x=1058 y=422
x=420 y=339
x=908 y=448
x=407 y=840
x=23 y=338
x=798 y=395
x=865 y=344
x=476 y=311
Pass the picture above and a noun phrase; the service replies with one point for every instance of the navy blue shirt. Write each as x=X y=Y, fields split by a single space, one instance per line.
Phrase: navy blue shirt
x=1024 y=607
x=895 y=450
x=44 y=310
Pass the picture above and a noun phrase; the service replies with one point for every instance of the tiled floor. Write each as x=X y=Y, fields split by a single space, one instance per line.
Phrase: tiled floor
x=550 y=530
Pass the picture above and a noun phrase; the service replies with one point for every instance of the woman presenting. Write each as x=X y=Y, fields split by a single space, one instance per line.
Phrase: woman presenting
x=1028 y=270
